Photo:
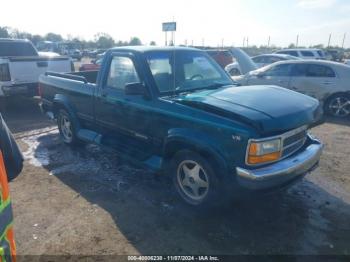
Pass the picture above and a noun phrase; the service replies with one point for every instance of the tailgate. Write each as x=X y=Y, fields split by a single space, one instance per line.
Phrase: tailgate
x=28 y=69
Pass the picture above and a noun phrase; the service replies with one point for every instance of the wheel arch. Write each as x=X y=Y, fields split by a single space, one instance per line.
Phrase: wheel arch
x=329 y=96
x=176 y=144
x=62 y=102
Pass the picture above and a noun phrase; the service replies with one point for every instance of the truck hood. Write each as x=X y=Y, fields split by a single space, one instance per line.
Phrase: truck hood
x=270 y=109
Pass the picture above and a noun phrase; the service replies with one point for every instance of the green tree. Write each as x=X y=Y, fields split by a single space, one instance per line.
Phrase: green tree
x=20 y=35
x=90 y=44
x=53 y=37
x=319 y=46
x=36 y=39
x=122 y=43
x=4 y=32
x=153 y=43
x=104 y=40
x=135 y=41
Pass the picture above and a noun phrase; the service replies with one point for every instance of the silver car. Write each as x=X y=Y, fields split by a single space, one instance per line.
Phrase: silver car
x=260 y=60
x=327 y=81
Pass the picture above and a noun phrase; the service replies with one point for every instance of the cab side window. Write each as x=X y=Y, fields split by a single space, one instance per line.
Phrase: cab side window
x=307 y=54
x=299 y=70
x=312 y=70
x=273 y=59
x=292 y=53
x=258 y=59
x=121 y=72
x=319 y=71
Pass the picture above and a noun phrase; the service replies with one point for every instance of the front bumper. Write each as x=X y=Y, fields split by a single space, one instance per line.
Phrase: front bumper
x=282 y=172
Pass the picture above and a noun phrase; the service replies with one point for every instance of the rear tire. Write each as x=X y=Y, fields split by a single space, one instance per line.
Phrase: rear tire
x=338 y=105
x=67 y=128
x=194 y=180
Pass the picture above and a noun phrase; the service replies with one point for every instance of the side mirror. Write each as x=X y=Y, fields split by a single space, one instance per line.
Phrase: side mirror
x=135 y=89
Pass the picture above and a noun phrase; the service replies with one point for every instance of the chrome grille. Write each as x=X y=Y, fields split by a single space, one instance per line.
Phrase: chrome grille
x=293 y=141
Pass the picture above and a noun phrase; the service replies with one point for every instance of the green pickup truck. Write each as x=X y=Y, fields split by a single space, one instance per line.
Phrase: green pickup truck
x=175 y=110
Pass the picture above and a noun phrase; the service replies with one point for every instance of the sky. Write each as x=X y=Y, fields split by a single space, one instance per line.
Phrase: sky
x=208 y=22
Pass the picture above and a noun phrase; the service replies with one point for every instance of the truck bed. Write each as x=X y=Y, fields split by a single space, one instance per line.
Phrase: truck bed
x=79 y=88
x=84 y=76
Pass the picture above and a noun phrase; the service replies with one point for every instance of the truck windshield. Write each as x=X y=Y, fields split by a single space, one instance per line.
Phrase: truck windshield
x=183 y=71
x=9 y=48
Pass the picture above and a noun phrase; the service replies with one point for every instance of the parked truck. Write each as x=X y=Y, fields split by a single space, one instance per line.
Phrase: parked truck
x=21 y=66
x=175 y=110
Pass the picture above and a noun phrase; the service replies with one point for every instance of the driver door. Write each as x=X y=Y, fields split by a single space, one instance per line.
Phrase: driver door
x=126 y=118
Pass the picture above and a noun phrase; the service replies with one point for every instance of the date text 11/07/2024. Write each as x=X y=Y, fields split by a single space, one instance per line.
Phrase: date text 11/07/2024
x=173 y=258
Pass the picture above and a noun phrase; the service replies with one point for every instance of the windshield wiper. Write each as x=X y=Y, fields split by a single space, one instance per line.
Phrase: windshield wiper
x=214 y=85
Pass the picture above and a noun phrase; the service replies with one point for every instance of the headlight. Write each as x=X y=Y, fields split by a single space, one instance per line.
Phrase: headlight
x=260 y=152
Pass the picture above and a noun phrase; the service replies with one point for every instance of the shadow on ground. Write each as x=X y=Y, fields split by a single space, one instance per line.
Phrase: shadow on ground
x=338 y=121
x=303 y=220
x=23 y=114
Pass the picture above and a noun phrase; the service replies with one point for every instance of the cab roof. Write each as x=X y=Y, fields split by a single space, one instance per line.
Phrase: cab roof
x=143 y=49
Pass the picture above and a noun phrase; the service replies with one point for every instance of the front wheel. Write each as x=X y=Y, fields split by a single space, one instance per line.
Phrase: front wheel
x=338 y=105
x=194 y=179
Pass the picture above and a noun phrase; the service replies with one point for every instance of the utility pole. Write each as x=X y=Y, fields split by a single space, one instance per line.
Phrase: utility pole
x=329 y=40
x=247 y=41
x=243 y=41
x=172 y=39
x=342 y=46
x=268 y=42
x=173 y=34
x=297 y=42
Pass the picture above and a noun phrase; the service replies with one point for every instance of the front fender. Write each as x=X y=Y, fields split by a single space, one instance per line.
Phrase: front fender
x=195 y=140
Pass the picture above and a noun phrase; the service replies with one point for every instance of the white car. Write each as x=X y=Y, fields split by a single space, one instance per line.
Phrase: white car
x=304 y=53
x=260 y=61
x=327 y=81
x=21 y=65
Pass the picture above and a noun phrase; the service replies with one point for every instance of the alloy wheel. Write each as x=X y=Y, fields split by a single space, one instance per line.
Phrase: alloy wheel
x=66 y=129
x=339 y=106
x=192 y=179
